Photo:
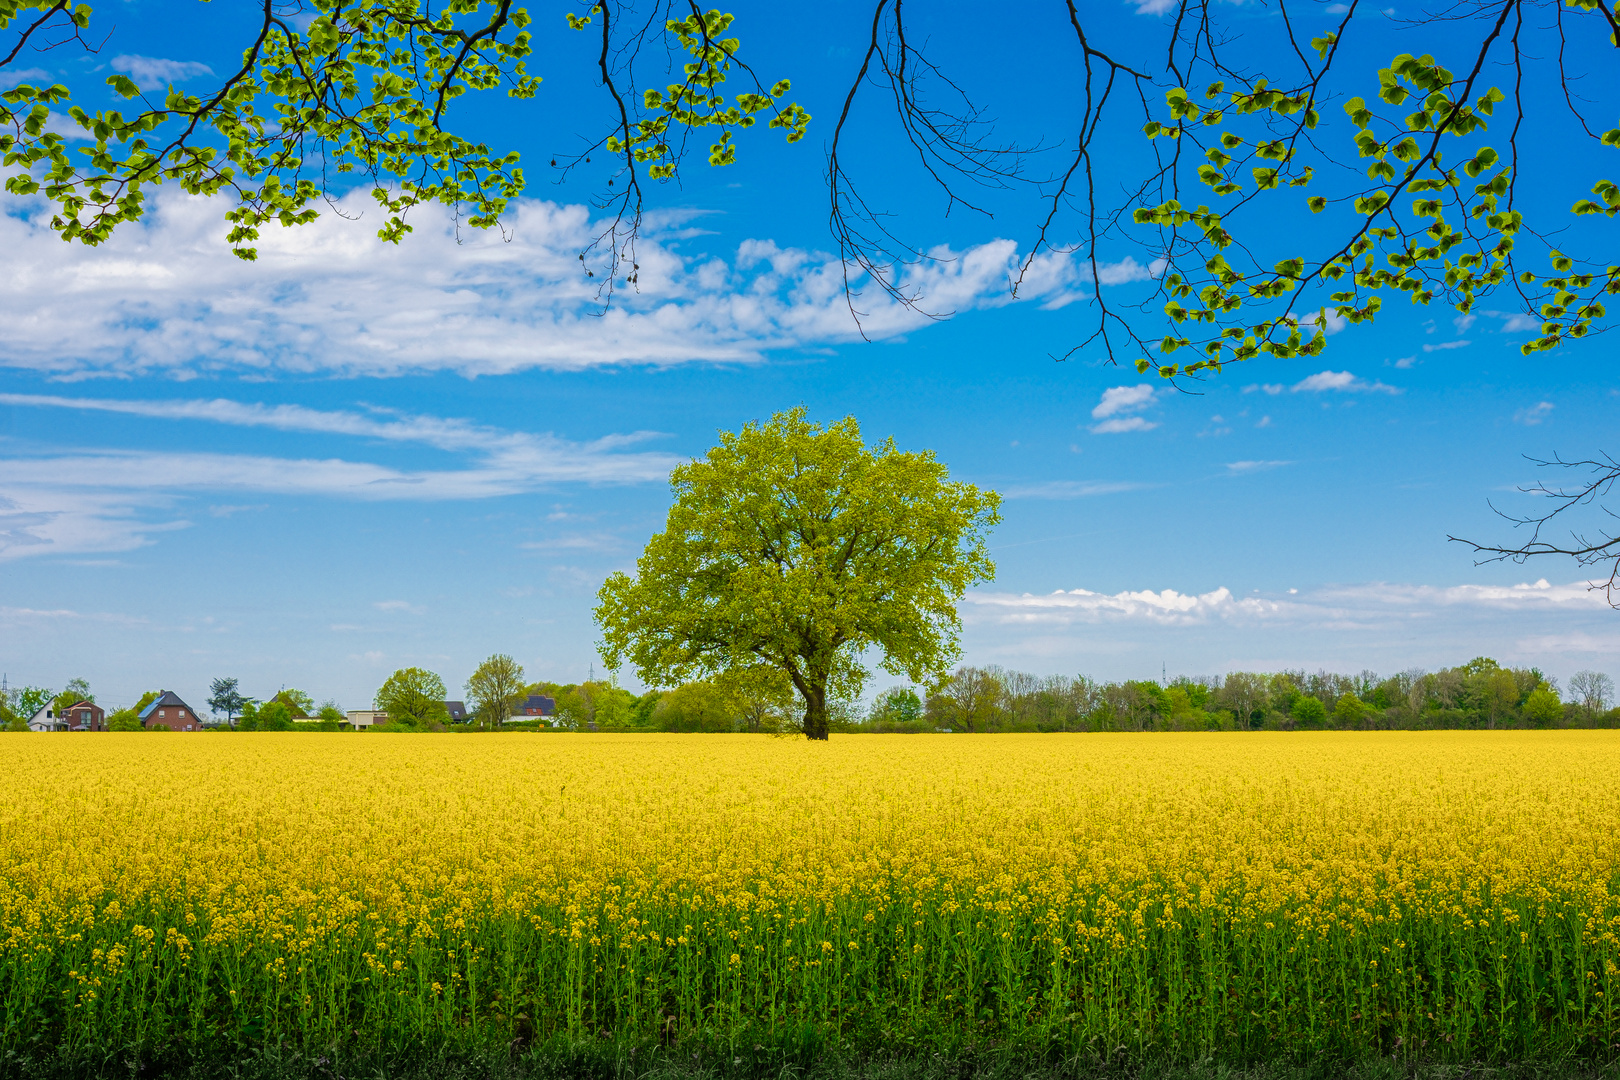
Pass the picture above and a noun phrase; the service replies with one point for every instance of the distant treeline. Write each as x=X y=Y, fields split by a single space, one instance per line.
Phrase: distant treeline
x=1479 y=694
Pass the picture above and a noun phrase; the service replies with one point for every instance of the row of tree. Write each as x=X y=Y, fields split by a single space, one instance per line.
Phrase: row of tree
x=1479 y=694
x=285 y=710
x=18 y=704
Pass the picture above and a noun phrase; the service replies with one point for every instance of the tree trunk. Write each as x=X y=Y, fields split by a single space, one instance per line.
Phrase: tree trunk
x=815 y=712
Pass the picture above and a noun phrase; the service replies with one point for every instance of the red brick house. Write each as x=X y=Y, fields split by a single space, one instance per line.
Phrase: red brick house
x=85 y=716
x=170 y=712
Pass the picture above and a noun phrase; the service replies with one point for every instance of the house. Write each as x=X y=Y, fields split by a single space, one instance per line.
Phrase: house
x=536 y=705
x=457 y=711
x=361 y=719
x=168 y=711
x=294 y=709
x=85 y=716
x=47 y=720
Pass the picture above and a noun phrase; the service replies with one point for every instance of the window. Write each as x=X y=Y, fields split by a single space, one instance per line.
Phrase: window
x=160 y=712
x=183 y=714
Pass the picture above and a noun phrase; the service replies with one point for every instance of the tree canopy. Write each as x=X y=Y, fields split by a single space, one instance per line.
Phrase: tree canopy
x=496 y=689
x=224 y=696
x=1278 y=176
x=797 y=547
x=413 y=697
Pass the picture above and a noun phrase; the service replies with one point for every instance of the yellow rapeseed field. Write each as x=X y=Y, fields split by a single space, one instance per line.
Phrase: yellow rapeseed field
x=1187 y=894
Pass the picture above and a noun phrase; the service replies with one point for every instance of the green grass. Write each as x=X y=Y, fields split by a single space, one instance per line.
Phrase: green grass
x=804 y=1060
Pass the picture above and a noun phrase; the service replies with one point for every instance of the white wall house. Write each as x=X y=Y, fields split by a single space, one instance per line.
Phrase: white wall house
x=361 y=719
x=47 y=720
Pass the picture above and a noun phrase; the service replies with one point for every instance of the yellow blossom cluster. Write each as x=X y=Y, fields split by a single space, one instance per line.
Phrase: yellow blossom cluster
x=1187 y=894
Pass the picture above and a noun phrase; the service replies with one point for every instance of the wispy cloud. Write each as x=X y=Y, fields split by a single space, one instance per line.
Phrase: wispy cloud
x=1254 y=466
x=578 y=542
x=1534 y=414
x=166 y=295
x=115 y=500
x=1341 y=606
x=153 y=73
x=1122 y=424
x=1341 y=381
x=1270 y=388
x=1445 y=345
x=1128 y=270
x=1515 y=322
x=1070 y=489
x=10 y=78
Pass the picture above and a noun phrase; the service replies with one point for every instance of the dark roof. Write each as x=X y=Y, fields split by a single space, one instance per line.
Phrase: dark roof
x=167 y=699
x=546 y=706
x=293 y=707
x=456 y=709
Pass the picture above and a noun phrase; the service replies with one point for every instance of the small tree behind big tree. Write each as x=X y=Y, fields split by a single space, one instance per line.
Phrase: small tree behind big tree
x=798 y=547
x=496 y=689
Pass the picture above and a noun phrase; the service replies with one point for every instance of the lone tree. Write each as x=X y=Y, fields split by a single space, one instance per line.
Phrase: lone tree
x=495 y=689
x=798 y=547
x=413 y=697
x=223 y=697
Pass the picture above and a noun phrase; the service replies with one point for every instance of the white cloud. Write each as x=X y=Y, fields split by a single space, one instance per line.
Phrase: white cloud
x=552 y=458
x=1538 y=594
x=1444 y=345
x=1405 y=362
x=1122 y=424
x=228 y=510
x=152 y=73
x=1255 y=466
x=9 y=79
x=116 y=500
x=166 y=295
x=1154 y=7
x=1123 y=399
x=398 y=605
x=1128 y=270
x=1533 y=415
x=586 y=542
x=1117 y=403
x=1341 y=381
x=1069 y=489
x=1334 y=322
x=1343 y=607
x=1271 y=388
x=1082 y=605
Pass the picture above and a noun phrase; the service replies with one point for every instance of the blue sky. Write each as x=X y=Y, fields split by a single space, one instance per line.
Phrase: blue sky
x=347 y=458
